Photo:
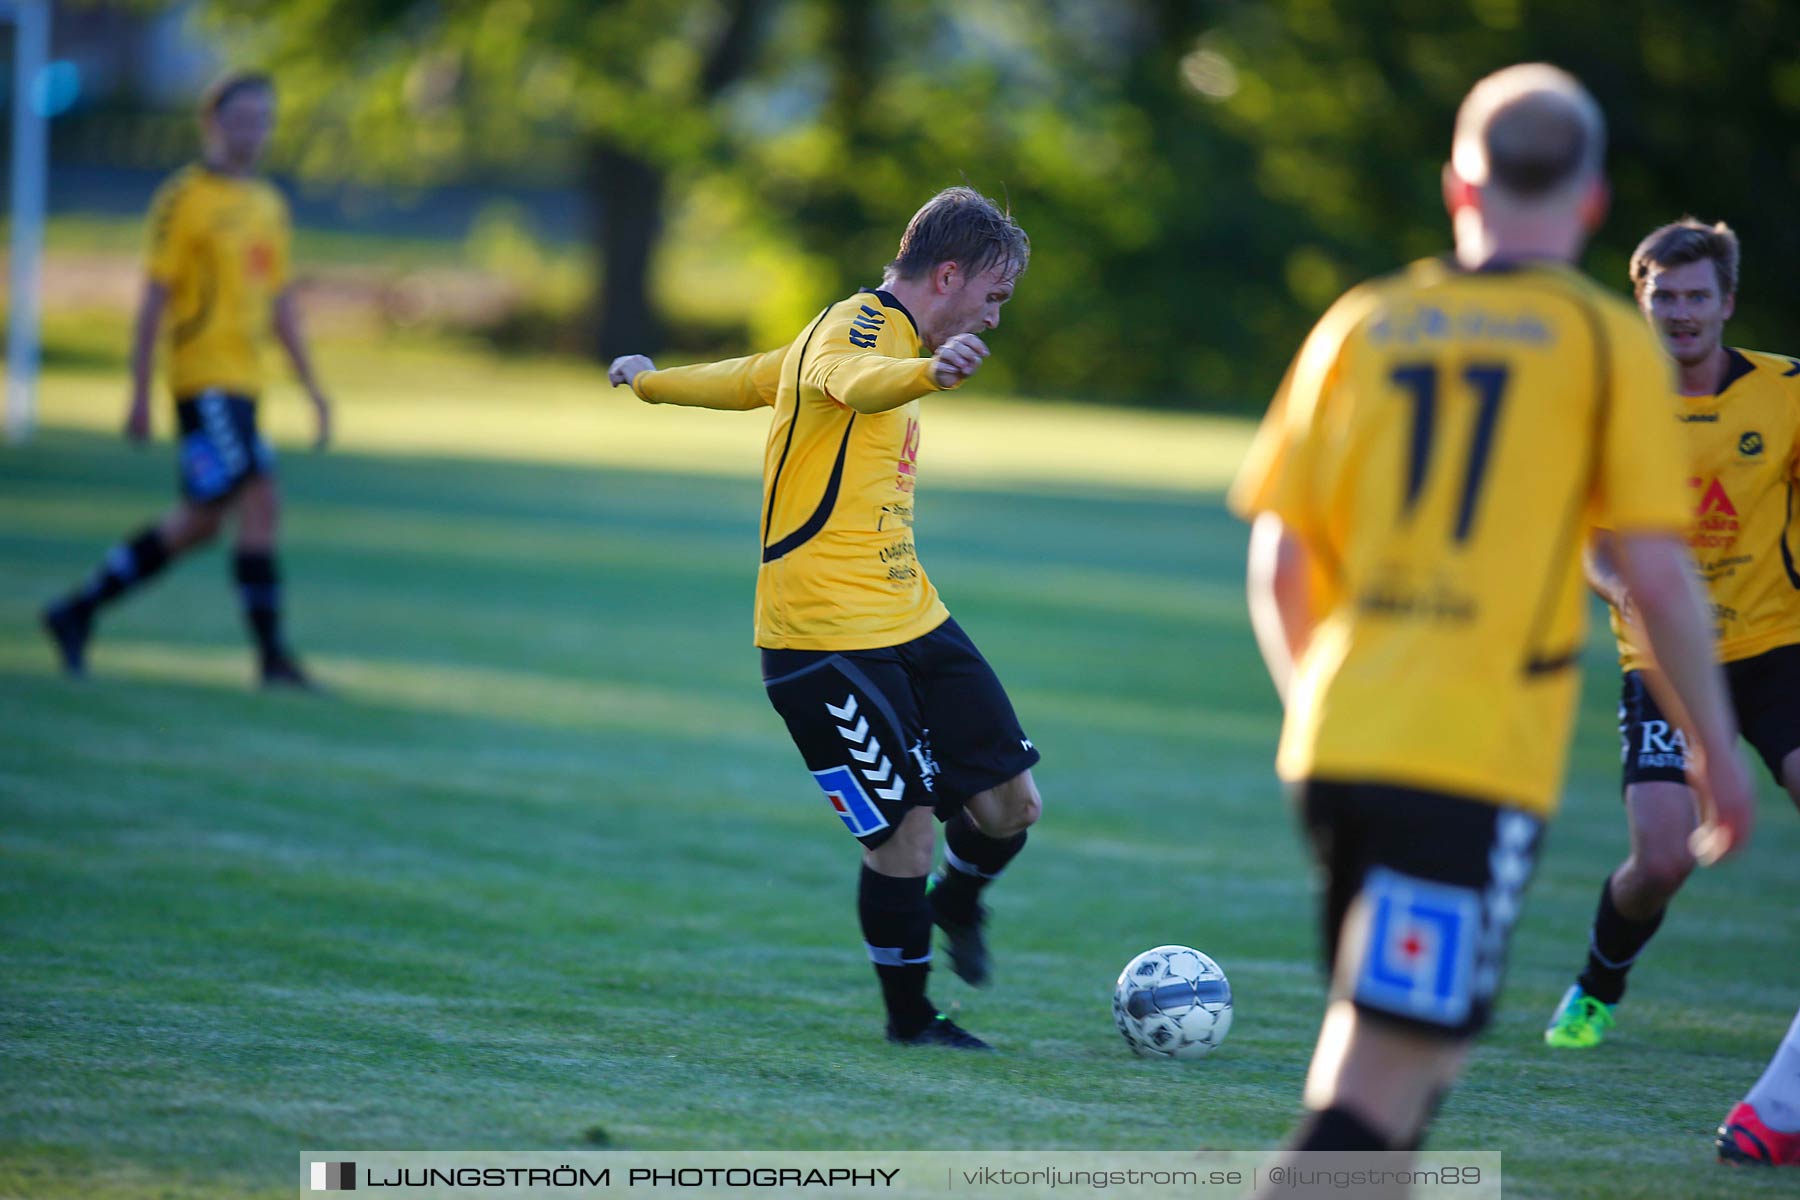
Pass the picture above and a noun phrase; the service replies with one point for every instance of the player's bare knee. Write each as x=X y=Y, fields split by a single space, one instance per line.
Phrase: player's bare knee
x=190 y=526
x=1027 y=806
x=1009 y=809
x=259 y=515
x=1661 y=872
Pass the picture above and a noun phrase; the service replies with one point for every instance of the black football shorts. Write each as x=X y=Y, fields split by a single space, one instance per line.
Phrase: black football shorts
x=882 y=731
x=1765 y=690
x=220 y=447
x=1421 y=893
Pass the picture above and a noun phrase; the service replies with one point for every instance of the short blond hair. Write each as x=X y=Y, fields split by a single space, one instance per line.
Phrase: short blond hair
x=962 y=226
x=1687 y=241
x=1530 y=131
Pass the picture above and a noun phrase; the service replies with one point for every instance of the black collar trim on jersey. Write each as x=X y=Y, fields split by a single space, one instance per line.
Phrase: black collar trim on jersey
x=1736 y=367
x=1498 y=266
x=891 y=301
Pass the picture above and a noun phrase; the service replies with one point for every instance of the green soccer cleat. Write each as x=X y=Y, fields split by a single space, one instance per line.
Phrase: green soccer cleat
x=1581 y=1022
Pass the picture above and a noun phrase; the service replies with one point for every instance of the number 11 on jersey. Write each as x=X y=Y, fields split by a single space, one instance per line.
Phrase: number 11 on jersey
x=1421 y=382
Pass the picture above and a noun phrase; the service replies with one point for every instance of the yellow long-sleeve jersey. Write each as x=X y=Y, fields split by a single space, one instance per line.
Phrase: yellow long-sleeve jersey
x=839 y=567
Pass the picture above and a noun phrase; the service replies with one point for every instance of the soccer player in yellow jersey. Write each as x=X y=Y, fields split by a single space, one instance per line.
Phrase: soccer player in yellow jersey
x=1420 y=491
x=897 y=715
x=1738 y=411
x=218 y=280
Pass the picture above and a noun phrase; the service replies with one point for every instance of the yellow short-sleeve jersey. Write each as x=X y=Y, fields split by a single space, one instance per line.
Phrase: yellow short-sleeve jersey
x=840 y=569
x=1441 y=445
x=1744 y=449
x=220 y=245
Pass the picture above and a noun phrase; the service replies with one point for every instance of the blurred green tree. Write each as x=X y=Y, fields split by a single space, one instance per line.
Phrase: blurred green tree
x=1199 y=177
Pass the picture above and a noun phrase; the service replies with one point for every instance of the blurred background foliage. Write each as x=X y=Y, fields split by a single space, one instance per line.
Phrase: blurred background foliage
x=1199 y=177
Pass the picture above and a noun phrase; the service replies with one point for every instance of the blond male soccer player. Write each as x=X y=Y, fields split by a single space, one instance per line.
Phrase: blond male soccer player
x=218 y=280
x=1738 y=412
x=1420 y=492
x=895 y=712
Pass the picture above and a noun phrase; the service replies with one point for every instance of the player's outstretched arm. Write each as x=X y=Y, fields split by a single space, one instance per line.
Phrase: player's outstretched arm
x=872 y=382
x=734 y=385
x=143 y=354
x=293 y=340
x=1687 y=681
x=1280 y=600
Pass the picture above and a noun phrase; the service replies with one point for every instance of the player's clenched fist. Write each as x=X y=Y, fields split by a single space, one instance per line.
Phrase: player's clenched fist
x=957 y=359
x=628 y=367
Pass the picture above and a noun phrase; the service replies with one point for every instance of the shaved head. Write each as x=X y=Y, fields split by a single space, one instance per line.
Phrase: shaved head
x=1530 y=132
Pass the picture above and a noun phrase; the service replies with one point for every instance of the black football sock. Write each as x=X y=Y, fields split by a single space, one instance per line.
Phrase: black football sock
x=1337 y=1128
x=1614 y=944
x=972 y=860
x=896 y=926
x=127 y=565
x=259 y=587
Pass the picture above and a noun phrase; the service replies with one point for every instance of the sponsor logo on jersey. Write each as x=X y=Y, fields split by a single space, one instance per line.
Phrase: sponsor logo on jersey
x=1713 y=499
x=1715 y=516
x=907 y=469
x=1424 y=323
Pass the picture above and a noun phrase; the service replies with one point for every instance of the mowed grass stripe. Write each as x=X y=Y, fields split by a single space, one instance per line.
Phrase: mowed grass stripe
x=546 y=863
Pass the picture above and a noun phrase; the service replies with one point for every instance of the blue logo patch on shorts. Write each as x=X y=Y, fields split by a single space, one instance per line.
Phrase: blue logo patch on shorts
x=1420 y=956
x=845 y=791
x=203 y=471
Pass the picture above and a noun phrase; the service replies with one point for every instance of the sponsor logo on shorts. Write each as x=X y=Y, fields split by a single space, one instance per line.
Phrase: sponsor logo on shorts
x=845 y=793
x=1661 y=744
x=928 y=768
x=1419 y=959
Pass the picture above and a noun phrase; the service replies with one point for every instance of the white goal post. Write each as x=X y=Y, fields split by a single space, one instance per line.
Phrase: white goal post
x=31 y=51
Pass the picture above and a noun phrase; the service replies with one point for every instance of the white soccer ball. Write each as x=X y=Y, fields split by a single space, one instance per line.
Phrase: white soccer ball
x=1173 y=1002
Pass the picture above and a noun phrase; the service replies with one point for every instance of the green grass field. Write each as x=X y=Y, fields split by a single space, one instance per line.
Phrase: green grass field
x=544 y=872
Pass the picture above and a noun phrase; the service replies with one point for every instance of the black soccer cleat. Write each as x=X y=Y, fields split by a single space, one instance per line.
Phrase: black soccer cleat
x=70 y=629
x=941 y=1032
x=969 y=960
x=285 y=674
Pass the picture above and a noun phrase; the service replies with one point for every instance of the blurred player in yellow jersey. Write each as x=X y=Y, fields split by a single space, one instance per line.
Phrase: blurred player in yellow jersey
x=218 y=281
x=1738 y=412
x=894 y=710
x=1421 y=490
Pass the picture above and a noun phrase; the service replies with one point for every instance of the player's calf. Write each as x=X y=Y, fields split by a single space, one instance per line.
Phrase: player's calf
x=979 y=842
